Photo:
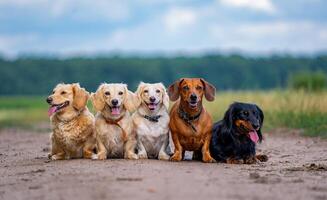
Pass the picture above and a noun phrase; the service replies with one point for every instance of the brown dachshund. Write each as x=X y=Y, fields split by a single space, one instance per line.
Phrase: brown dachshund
x=190 y=123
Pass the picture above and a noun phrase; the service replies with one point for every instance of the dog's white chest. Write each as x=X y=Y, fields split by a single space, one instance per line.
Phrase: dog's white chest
x=152 y=135
x=152 y=129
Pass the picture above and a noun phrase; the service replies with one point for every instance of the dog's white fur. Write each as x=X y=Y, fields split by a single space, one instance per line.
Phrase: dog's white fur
x=73 y=126
x=109 y=136
x=153 y=137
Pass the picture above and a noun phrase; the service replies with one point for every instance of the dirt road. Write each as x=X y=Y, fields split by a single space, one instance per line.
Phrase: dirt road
x=297 y=169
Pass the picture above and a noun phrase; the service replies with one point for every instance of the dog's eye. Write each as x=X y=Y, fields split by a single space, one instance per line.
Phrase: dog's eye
x=53 y=92
x=120 y=93
x=157 y=91
x=246 y=113
x=146 y=91
x=63 y=92
x=198 y=87
x=107 y=93
x=186 y=87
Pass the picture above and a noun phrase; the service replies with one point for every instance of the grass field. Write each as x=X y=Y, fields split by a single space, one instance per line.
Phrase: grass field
x=290 y=109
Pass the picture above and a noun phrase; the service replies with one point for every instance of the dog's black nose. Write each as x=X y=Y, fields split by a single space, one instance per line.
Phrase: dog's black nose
x=49 y=100
x=152 y=99
x=193 y=97
x=114 y=102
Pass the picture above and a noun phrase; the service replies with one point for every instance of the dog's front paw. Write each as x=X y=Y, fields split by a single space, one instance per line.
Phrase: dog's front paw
x=57 y=157
x=208 y=159
x=176 y=157
x=234 y=161
x=131 y=156
x=94 y=157
x=262 y=158
x=142 y=155
x=251 y=160
x=163 y=156
x=100 y=156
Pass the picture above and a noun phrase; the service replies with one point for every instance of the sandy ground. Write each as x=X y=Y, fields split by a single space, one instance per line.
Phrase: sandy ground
x=296 y=170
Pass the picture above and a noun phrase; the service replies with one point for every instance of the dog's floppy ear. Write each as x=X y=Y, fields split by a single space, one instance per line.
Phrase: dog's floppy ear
x=131 y=100
x=165 y=97
x=80 y=97
x=209 y=90
x=138 y=93
x=260 y=114
x=173 y=90
x=261 y=122
x=97 y=99
x=229 y=117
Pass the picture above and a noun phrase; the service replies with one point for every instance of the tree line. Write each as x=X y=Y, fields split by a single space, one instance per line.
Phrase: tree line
x=35 y=76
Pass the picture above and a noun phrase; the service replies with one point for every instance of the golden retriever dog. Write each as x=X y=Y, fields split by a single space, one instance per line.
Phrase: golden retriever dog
x=113 y=122
x=72 y=123
x=151 y=121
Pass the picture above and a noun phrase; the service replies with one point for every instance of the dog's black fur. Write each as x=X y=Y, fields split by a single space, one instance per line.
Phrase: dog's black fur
x=230 y=141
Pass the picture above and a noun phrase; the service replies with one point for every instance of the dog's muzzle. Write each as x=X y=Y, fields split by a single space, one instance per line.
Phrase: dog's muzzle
x=57 y=107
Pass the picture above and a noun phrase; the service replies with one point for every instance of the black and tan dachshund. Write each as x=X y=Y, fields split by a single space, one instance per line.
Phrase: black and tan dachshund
x=234 y=138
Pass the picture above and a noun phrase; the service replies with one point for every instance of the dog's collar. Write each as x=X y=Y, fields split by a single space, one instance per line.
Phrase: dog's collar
x=187 y=118
x=115 y=122
x=154 y=118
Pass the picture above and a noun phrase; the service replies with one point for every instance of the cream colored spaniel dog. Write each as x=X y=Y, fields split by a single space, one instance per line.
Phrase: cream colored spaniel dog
x=113 y=123
x=72 y=123
x=151 y=121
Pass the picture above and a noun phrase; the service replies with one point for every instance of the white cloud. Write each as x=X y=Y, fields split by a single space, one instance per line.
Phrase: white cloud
x=176 y=19
x=259 y=5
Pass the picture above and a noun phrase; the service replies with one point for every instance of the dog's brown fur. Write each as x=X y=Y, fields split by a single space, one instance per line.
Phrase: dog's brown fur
x=184 y=138
x=73 y=126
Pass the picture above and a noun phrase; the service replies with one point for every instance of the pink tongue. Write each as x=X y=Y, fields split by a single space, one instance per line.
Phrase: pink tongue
x=254 y=136
x=152 y=106
x=52 y=110
x=115 y=111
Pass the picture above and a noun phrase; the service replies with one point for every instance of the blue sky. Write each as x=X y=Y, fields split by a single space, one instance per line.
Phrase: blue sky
x=89 y=27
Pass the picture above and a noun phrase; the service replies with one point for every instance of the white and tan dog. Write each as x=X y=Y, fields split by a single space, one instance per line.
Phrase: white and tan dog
x=72 y=123
x=151 y=121
x=113 y=123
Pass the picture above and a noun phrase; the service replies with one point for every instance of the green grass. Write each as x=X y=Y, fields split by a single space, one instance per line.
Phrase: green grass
x=289 y=109
x=22 y=111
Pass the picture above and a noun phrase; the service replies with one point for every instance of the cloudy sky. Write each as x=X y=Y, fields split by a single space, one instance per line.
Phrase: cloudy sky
x=69 y=27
